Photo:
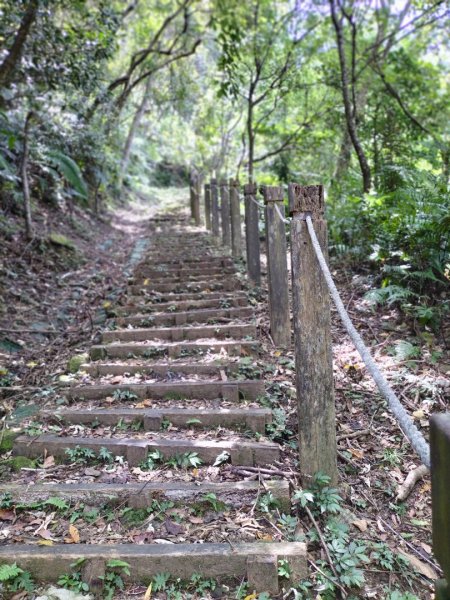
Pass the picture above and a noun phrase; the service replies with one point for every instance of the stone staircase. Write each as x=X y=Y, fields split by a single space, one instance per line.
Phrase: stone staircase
x=163 y=384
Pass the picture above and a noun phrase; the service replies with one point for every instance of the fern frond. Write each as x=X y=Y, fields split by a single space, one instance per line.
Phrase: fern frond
x=8 y=572
x=70 y=171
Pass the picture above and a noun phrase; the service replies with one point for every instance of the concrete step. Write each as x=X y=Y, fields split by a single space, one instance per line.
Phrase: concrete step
x=231 y=391
x=182 y=279
x=183 y=272
x=137 y=495
x=144 y=304
x=135 y=449
x=152 y=419
x=179 y=318
x=176 y=334
x=173 y=350
x=167 y=370
x=257 y=562
x=227 y=284
x=188 y=262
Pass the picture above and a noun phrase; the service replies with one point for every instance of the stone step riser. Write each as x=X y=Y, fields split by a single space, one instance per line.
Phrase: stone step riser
x=257 y=562
x=227 y=285
x=179 y=318
x=176 y=263
x=230 y=391
x=137 y=304
x=136 y=450
x=177 y=334
x=136 y=495
x=182 y=279
x=171 y=298
x=193 y=350
x=162 y=370
x=205 y=271
x=152 y=420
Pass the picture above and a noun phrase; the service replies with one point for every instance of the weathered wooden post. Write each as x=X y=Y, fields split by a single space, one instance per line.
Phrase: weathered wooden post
x=225 y=212
x=196 y=199
x=252 y=233
x=235 y=212
x=215 y=225
x=191 y=193
x=277 y=271
x=312 y=336
x=440 y=486
x=207 y=191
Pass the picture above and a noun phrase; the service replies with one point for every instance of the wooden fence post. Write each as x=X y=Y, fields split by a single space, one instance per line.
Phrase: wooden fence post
x=191 y=193
x=252 y=234
x=277 y=272
x=225 y=212
x=207 y=188
x=440 y=485
x=312 y=336
x=235 y=212
x=197 y=193
x=215 y=225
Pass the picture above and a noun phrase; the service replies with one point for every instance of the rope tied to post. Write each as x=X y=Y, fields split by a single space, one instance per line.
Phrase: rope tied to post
x=253 y=199
x=282 y=217
x=415 y=437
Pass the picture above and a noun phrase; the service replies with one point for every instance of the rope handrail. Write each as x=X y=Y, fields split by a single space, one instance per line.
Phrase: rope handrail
x=253 y=199
x=282 y=217
x=415 y=437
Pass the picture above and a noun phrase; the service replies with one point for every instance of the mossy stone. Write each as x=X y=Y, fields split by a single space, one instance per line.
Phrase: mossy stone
x=22 y=462
x=7 y=438
x=61 y=240
x=76 y=361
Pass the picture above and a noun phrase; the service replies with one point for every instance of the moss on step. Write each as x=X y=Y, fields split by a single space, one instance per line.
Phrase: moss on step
x=7 y=438
x=76 y=361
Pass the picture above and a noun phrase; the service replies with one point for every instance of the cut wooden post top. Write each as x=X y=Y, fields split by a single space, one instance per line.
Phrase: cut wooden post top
x=234 y=182
x=272 y=193
x=223 y=182
x=213 y=181
x=207 y=186
x=250 y=189
x=306 y=199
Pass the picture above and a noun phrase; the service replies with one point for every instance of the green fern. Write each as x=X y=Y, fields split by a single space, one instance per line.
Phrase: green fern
x=405 y=350
x=70 y=171
x=8 y=572
x=58 y=503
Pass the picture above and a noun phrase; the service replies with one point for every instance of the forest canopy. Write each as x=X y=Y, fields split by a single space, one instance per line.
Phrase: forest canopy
x=99 y=99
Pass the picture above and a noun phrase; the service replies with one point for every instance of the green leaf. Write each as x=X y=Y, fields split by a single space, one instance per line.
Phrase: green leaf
x=58 y=503
x=8 y=572
x=70 y=171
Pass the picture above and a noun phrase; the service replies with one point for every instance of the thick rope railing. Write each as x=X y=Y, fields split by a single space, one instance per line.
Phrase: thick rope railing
x=415 y=437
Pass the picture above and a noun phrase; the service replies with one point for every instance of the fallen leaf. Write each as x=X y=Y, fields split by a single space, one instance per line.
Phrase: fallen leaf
x=48 y=462
x=45 y=534
x=144 y=404
x=418 y=414
x=195 y=520
x=173 y=528
x=250 y=597
x=45 y=543
x=74 y=534
x=6 y=515
x=356 y=453
x=148 y=593
x=421 y=567
x=361 y=524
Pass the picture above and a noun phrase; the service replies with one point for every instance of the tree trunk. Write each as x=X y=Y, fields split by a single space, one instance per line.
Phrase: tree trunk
x=349 y=114
x=24 y=176
x=132 y=131
x=251 y=140
x=8 y=66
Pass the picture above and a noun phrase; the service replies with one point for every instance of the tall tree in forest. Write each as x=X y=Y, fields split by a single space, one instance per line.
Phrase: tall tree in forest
x=260 y=51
